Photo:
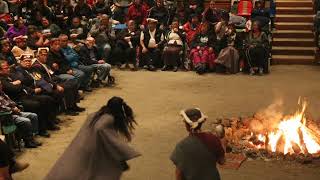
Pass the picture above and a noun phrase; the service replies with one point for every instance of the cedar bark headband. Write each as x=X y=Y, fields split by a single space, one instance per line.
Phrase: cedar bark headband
x=193 y=124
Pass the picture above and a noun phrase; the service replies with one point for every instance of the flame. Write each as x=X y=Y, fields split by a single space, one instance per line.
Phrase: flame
x=291 y=135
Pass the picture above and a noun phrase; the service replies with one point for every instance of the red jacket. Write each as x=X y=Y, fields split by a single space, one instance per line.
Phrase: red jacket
x=190 y=32
x=138 y=14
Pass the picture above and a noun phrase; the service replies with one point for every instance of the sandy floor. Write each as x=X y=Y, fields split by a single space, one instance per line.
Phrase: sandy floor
x=158 y=97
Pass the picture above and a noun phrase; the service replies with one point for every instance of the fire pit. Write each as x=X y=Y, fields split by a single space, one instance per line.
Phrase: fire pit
x=269 y=135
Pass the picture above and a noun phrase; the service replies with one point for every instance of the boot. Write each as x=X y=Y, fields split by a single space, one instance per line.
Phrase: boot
x=77 y=108
x=44 y=134
x=29 y=144
x=54 y=128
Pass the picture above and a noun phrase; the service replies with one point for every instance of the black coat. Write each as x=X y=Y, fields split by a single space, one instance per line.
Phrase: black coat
x=60 y=60
x=85 y=58
x=15 y=92
x=135 y=39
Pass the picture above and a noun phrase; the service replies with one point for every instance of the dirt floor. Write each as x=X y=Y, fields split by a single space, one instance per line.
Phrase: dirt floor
x=158 y=97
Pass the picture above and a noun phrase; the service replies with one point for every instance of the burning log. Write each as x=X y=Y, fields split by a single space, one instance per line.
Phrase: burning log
x=293 y=137
x=296 y=148
x=304 y=159
x=302 y=143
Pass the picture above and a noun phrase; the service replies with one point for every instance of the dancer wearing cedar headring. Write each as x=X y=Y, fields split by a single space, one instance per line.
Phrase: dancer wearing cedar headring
x=195 y=157
x=98 y=152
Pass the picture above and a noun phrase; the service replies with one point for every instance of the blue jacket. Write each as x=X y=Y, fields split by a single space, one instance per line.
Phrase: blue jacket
x=71 y=56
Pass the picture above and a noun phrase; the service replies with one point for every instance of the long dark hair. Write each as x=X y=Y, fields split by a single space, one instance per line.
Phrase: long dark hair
x=123 y=116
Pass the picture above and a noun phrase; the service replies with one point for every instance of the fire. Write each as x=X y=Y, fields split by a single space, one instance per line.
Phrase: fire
x=291 y=135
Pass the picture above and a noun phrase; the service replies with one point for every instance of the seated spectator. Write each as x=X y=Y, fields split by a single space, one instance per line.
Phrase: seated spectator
x=29 y=79
x=8 y=164
x=191 y=28
x=89 y=57
x=202 y=52
x=148 y=4
x=127 y=43
x=18 y=29
x=67 y=9
x=101 y=7
x=26 y=97
x=257 y=48
x=44 y=10
x=161 y=14
x=173 y=50
x=138 y=14
x=5 y=52
x=196 y=156
x=60 y=66
x=151 y=41
x=35 y=19
x=36 y=39
x=82 y=9
x=68 y=88
x=238 y=21
x=26 y=122
x=104 y=35
x=181 y=15
x=192 y=7
x=228 y=58
x=59 y=16
x=77 y=30
x=73 y=59
x=220 y=31
x=260 y=14
x=4 y=12
x=21 y=47
x=48 y=29
x=211 y=15
x=120 y=9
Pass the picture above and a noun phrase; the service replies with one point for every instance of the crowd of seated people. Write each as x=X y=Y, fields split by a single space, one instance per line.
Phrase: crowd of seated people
x=52 y=50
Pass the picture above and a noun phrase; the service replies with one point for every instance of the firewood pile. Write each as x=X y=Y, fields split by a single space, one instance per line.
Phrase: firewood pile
x=241 y=137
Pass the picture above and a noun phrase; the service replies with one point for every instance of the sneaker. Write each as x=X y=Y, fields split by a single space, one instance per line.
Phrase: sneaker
x=123 y=66
x=19 y=166
x=132 y=67
x=165 y=68
x=252 y=72
x=151 y=68
x=175 y=69
x=260 y=71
